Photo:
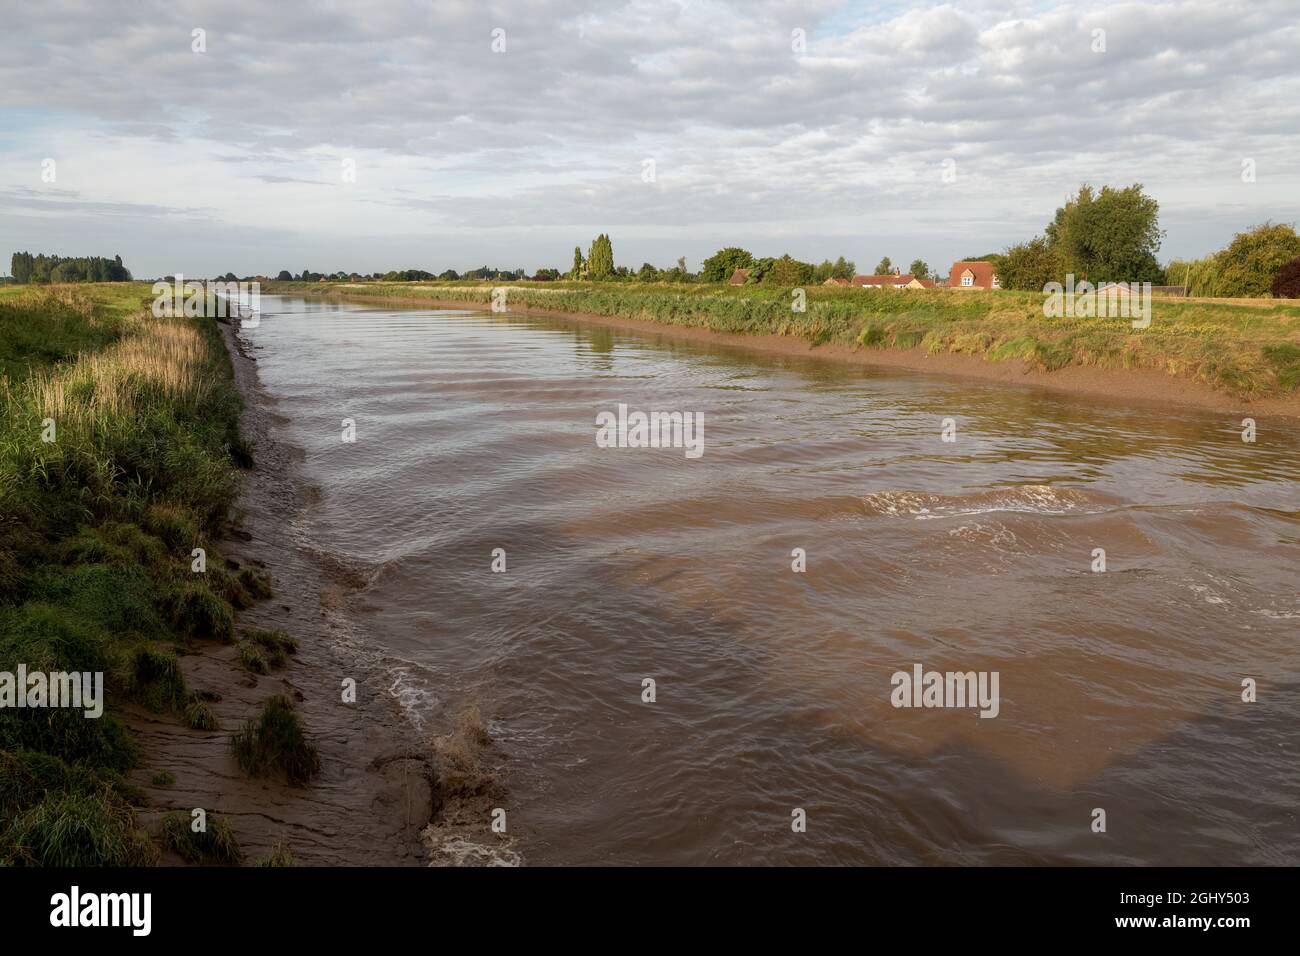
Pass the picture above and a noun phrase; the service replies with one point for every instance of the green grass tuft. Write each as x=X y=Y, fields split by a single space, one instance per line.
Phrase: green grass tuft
x=279 y=856
x=1285 y=359
x=157 y=681
x=253 y=658
x=196 y=612
x=255 y=582
x=274 y=644
x=274 y=743
x=79 y=829
x=199 y=715
x=215 y=844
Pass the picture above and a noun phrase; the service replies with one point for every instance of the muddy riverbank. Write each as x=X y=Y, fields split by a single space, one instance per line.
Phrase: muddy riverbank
x=376 y=790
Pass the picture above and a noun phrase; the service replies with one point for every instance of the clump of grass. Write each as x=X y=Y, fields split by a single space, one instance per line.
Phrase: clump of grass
x=199 y=715
x=266 y=647
x=156 y=679
x=255 y=583
x=872 y=335
x=908 y=338
x=279 y=856
x=79 y=829
x=226 y=583
x=115 y=543
x=197 y=612
x=1285 y=359
x=253 y=658
x=275 y=743
x=215 y=844
x=163 y=778
x=174 y=525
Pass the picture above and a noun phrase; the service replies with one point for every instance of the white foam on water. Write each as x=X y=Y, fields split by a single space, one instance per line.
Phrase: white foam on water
x=1026 y=499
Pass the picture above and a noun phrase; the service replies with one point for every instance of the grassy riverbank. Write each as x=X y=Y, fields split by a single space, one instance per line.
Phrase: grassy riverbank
x=119 y=455
x=1243 y=350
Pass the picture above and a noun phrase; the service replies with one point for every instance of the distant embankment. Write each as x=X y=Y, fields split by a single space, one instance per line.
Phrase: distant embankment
x=1245 y=351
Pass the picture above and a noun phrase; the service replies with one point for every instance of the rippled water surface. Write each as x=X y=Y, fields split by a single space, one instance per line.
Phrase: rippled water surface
x=1118 y=690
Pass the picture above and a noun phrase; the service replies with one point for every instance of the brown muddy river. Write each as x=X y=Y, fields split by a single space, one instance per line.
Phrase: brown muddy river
x=1118 y=690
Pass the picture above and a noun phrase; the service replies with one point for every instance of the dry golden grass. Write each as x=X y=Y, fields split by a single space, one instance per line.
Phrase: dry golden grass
x=162 y=356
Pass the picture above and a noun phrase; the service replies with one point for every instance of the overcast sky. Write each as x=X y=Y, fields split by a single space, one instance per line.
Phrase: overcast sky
x=235 y=158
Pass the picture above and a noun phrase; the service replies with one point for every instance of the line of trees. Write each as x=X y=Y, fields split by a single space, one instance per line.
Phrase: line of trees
x=1113 y=235
x=1256 y=263
x=415 y=275
x=28 y=269
x=785 y=270
x=919 y=268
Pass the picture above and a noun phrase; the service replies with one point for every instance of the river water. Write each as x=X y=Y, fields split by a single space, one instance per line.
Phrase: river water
x=1118 y=690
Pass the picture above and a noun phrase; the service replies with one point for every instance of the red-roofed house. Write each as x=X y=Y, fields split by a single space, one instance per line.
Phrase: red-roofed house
x=738 y=277
x=973 y=275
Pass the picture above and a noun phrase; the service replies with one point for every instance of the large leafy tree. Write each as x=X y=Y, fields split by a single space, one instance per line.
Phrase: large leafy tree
x=884 y=267
x=600 y=258
x=1254 y=258
x=789 y=271
x=1030 y=266
x=1111 y=235
x=919 y=268
x=786 y=271
x=719 y=266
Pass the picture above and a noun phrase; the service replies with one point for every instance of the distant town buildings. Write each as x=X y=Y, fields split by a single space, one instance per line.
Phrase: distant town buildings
x=896 y=280
x=963 y=275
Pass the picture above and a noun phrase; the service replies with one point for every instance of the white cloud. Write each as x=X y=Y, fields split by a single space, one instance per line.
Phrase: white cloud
x=464 y=155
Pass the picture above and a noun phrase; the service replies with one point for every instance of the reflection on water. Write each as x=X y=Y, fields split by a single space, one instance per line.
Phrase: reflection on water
x=1119 y=690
